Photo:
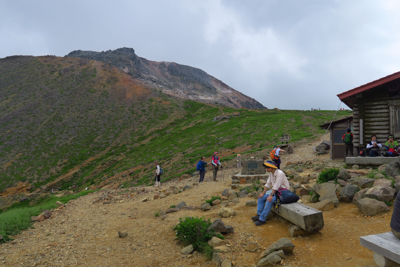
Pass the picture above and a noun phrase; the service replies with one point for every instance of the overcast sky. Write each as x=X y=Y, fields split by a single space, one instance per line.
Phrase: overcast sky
x=290 y=54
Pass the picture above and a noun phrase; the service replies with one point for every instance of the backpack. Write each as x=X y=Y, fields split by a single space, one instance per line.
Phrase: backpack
x=272 y=155
x=161 y=171
x=347 y=138
x=362 y=153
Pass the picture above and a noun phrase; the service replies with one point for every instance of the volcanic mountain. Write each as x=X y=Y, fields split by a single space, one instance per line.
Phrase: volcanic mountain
x=174 y=79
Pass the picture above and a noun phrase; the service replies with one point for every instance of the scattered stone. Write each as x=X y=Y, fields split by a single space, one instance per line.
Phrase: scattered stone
x=347 y=193
x=359 y=195
x=342 y=182
x=271 y=259
x=222 y=249
x=343 y=175
x=383 y=182
x=235 y=187
x=326 y=191
x=224 y=204
x=294 y=230
x=393 y=169
x=251 y=203
x=381 y=193
x=252 y=247
x=243 y=194
x=226 y=263
x=362 y=182
x=181 y=205
x=301 y=192
x=175 y=191
x=46 y=214
x=304 y=180
x=355 y=167
x=219 y=227
x=187 y=187
x=282 y=244
x=226 y=212
x=170 y=210
x=216 y=242
x=122 y=235
x=382 y=168
x=235 y=200
x=205 y=207
x=216 y=202
x=217 y=258
x=379 y=176
x=229 y=193
x=370 y=207
x=187 y=250
x=144 y=199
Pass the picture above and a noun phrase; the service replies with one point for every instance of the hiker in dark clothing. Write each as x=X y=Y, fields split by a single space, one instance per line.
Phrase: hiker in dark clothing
x=373 y=147
x=395 y=222
x=348 y=142
x=201 y=167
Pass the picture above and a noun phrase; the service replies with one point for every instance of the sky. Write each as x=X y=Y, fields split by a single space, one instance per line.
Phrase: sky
x=287 y=54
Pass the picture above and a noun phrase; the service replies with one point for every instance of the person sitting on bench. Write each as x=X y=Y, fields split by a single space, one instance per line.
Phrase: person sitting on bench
x=373 y=147
x=395 y=222
x=392 y=146
x=276 y=180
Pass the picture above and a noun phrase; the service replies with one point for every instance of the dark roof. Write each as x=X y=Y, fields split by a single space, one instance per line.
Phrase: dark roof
x=349 y=98
x=326 y=125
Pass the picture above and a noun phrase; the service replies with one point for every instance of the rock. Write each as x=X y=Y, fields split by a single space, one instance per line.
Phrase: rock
x=296 y=185
x=58 y=203
x=122 y=235
x=301 y=192
x=382 y=168
x=326 y=191
x=235 y=200
x=226 y=263
x=243 y=194
x=304 y=180
x=170 y=210
x=46 y=214
x=251 y=203
x=228 y=229
x=282 y=244
x=397 y=187
x=205 y=207
x=324 y=205
x=294 y=230
x=343 y=175
x=224 y=198
x=219 y=227
x=229 y=193
x=235 y=186
x=342 y=182
x=181 y=205
x=359 y=195
x=252 y=247
x=355 y=167
x=379 y=176
x=222 y=249
x=217 y=258
x=362 y=182
x=156 y=197
x=381 y=193
x=40 y=218
x=175 y=191
x=347 y=193
x=393 y=169
x=144 y=199
x=272 y=259
x=187 y=187
x=383 y=182
x=187 y=250
x=224 y=204
x=216 y=242
x=370 y=207
x=216 y=202
x=226 y=212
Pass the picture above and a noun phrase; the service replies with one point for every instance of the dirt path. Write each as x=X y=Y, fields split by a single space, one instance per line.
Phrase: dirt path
x=86 y=233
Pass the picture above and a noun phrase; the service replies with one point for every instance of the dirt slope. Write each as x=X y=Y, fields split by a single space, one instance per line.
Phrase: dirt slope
x=86 y=233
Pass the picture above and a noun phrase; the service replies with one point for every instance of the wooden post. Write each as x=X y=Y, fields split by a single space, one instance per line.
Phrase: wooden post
x=239 y=161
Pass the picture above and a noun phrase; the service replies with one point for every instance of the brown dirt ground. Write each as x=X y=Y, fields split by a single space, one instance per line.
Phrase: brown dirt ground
x=86 y=233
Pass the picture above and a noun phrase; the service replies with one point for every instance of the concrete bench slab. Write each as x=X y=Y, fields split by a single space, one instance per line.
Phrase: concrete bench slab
x=376 y=161
x=385 y=246
x=307 y=218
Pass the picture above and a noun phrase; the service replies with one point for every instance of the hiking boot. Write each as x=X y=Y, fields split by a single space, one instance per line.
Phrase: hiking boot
x=259 y=223
x=255 y=218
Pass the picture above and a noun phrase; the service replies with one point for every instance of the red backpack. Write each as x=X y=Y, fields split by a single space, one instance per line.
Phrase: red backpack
x=272 y=155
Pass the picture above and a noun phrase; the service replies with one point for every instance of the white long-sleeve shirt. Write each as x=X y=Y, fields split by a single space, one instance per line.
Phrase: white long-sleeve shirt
x=158 y=170
x=371 y=144
x=277 y=180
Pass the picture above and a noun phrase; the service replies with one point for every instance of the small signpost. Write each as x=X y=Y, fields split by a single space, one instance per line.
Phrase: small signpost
x=284 y=140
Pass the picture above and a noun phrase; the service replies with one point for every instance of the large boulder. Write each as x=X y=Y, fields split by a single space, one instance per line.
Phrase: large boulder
x=382 y=193
x=370 y=207
x=205 y=207
x=282 y=244
x=359 y=195
x=219 y=227
x=362 y=182
x=393 y=169
x=383 y=182
x=343 y=175
x=326 y=191
x=347 y=193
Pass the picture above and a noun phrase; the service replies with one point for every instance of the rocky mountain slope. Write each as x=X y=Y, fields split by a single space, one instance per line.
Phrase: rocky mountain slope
x=177 y=80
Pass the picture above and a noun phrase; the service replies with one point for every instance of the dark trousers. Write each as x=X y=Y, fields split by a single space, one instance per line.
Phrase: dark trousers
x=157 y=178
x=202 y=173
x=215 y=171
x=348 y=148
x=373 y=153
x=278 y=163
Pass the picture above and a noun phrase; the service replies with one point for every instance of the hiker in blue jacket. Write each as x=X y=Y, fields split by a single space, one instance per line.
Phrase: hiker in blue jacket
x=201 y=167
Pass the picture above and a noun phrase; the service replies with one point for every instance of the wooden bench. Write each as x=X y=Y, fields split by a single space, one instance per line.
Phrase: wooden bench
x=386 y=248
x=307 y=218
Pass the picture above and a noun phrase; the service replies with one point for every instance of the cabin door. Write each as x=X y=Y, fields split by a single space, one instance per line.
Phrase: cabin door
x=338 y=151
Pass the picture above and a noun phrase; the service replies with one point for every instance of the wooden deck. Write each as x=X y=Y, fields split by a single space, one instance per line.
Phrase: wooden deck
x=373 y=161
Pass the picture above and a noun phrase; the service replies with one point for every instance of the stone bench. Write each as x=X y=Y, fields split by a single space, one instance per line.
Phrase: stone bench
x=386 y=248
x=307 y=218
x=376 y=161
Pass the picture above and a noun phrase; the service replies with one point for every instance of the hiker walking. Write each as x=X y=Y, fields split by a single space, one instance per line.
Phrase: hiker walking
x=276 y=180
x=201 y=167
x=215 y=165
x=158 y=175
x=275 y=156
x=347 y=138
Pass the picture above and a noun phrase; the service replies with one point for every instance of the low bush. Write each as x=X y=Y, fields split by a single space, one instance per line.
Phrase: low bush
x=210 y=201
x=328 y=175
x=195 y=231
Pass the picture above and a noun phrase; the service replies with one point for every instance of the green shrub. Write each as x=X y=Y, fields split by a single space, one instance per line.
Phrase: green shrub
x=157 y=214
x=209 y=201
x=195 y=231
x=172 y=206
x=328 y=175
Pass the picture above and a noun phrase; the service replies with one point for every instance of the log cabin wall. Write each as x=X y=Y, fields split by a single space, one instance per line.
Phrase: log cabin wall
x=380 y=112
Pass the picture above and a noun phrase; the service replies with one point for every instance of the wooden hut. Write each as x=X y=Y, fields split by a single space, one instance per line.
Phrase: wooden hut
x=376 y=109
x=337 y=129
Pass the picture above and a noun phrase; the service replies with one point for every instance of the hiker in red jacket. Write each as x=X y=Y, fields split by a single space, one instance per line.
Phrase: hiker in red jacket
x=215 y=165
x=348 y=142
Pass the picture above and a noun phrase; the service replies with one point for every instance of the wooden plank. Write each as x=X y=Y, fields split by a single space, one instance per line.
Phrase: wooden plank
x=369 y=102
x=392 y=119
x=305 y=217
x=375 y=107
x=373 y=119
x=375 y=111
x=378 y=123
x=385 y=244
